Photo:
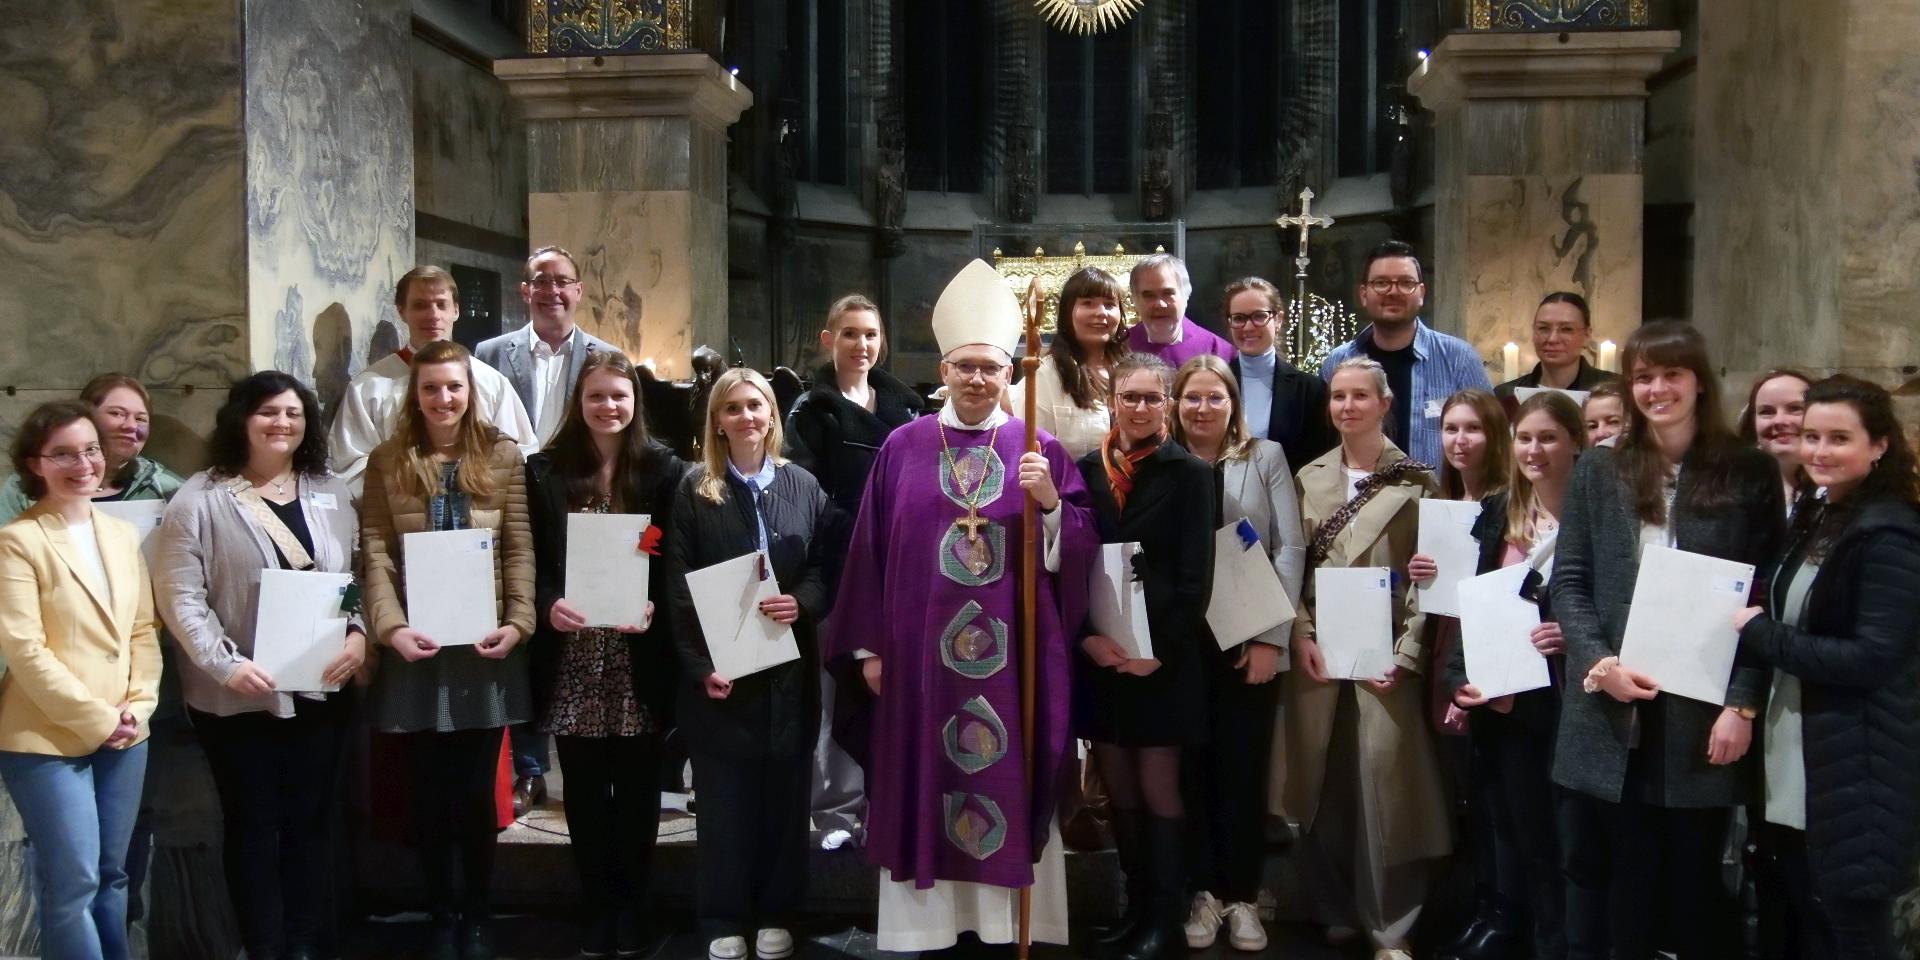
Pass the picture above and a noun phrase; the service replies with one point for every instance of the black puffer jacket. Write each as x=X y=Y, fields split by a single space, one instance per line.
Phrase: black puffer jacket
x=1859 y=667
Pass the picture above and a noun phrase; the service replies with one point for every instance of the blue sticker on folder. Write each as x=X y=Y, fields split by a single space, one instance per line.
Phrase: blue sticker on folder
x=1249 y=538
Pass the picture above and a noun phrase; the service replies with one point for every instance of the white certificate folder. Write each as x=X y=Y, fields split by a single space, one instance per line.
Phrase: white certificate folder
x=1353 y=621
x=1680 y=627
x=1117 y=603
x=450 y=586
x=606 y=569
x=740 y=639
x=1248 y=598
x=1446 y=535
x=1496 y=634
x=300 y=628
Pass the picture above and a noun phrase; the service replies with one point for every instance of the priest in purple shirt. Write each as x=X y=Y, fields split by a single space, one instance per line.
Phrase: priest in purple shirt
x=931 y=594
x=1160 y=291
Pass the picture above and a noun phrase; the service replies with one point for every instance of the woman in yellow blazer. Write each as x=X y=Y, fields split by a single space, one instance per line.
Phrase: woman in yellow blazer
x=446 y=469
x=83 y=670
x=1355 y=764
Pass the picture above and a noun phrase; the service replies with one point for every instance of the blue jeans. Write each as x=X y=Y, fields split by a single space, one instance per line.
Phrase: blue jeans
x=79 y=814
x=529 y=748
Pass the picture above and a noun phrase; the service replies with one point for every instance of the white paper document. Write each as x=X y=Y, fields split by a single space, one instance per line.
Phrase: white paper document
x=1117 y=603
x=1353 y=621
x=1523 y=394
x=450 y=585
x=1680 y=626
x=606 y=569
x=300 y=628
x=1248 y=598
x=1446 y=535
x=740 y=639
x=1496 y=627
x=143 y=514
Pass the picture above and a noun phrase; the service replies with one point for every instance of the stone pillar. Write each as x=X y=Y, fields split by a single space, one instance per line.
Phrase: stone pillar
x=1807 y=152
x=627 y=168
x=1538 y=144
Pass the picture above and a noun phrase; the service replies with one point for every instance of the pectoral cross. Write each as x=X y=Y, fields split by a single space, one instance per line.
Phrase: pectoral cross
x=972 y=522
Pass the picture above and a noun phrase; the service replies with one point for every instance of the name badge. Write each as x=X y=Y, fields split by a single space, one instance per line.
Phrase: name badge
x=325 y=501
x=1433 y=408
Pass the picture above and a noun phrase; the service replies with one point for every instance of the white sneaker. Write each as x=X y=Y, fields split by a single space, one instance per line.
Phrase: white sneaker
x=727 y=948
x=835 y=839
x=773 y=943
x=1203 y=921
x=1244 y=931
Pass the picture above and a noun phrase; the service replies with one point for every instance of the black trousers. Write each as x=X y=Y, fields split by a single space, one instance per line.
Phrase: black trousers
x=613 y=815
x=752 y=837
x=1625 y=863
x=276 y=780
x=1225 y=784
x=1510 y=786
x=1792 y=926
x=450 y=792
x=1862 y=929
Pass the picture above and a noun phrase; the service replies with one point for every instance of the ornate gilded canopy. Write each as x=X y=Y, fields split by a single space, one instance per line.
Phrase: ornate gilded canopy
x=1555 y=14
x=576 y=27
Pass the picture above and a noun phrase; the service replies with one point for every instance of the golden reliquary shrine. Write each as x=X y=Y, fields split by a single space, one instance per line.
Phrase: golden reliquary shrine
x=1054 y=271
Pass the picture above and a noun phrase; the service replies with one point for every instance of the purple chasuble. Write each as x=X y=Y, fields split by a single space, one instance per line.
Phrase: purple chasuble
x=945 y=792
x=1194 y=341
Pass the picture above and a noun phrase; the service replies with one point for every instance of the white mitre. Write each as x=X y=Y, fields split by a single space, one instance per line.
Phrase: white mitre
x=977 y=307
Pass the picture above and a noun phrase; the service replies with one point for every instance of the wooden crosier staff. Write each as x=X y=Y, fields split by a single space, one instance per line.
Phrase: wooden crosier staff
x=1029 y=586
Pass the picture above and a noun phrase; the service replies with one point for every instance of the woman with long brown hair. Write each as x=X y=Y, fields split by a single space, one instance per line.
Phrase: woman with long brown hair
x=604 y=692
x=446 y=469
x=1771 y=421
x=1089 y=337
x=1652 y=780
x=1843 y=727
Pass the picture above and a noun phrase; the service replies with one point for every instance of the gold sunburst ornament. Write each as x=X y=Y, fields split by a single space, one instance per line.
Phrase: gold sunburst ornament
x=1086 y=16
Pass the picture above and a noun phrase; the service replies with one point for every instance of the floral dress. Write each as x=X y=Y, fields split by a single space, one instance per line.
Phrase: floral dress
x=593 y=696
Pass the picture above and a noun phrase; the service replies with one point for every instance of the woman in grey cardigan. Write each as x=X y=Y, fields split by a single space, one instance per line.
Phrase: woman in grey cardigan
x=1652 y=780
x=1227 y=779
x=267 y=502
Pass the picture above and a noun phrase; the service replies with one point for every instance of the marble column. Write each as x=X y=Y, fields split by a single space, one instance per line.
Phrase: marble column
x=1807 y=197
x=1539 y=144
x=627 y=168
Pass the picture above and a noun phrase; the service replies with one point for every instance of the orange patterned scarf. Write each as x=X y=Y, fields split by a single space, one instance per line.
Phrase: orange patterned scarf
x=1121 y=464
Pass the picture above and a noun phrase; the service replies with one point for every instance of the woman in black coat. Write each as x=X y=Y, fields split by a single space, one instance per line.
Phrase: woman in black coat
x=749 y=737
x=604 y=693
x=834 y=432
x=1652 y=778
x=1842 y=601
x=1148 y=490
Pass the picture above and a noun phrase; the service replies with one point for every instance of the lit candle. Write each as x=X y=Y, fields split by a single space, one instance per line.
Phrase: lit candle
x=1609 y=356
x=1510 y=361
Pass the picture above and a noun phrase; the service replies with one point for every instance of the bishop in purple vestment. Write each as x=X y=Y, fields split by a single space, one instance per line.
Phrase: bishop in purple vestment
x=936 y=597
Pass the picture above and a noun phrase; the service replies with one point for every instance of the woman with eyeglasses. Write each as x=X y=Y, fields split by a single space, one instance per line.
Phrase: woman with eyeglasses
x=120 y=409
x=1562 y=328
x=1073 y=379
x=1510 y=738
x=83 y=670
x=268 y=502
x=1355 y=763
x=1281 y=403
x=1842 y=739
x=1652 y=779
x=1141 y=711
x=1226 y=779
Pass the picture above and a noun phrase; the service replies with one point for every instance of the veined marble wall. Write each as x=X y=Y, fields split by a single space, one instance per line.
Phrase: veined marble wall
x=1807 y=202
x=470 y=153
x=330 y=180
x=120 y=162
x=636 y=277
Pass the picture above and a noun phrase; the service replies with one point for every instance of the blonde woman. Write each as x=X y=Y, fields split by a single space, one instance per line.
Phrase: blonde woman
x=446 y=469
x=1355 y=763
x=1226 y=784
x=750 y=737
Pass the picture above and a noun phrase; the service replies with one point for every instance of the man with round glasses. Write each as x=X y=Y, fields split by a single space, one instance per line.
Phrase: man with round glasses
x=1422 y=364
x=542 y=359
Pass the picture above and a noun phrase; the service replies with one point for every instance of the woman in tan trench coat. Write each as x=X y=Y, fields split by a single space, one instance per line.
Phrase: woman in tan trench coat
x=1355 y=764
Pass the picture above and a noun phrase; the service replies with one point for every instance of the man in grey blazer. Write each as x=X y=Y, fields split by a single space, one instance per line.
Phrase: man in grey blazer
x=542 y=359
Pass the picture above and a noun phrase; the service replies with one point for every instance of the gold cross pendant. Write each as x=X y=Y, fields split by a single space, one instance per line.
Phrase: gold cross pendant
x=972 y=523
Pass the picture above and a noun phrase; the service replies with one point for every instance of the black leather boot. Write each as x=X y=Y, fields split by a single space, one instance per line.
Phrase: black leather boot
x=1161 y=934
x=1128 y=846
x=1502 y=937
